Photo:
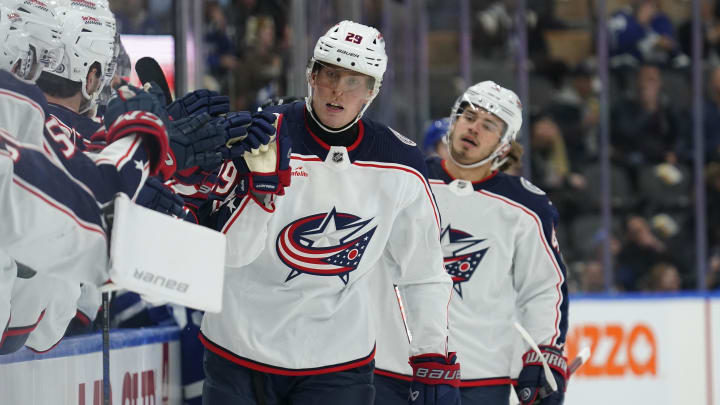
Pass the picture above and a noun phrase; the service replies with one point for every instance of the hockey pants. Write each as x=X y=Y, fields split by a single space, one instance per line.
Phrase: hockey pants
x=227 y=383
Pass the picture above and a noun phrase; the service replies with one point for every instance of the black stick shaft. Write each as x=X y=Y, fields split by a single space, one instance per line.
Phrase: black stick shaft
x=106 y=347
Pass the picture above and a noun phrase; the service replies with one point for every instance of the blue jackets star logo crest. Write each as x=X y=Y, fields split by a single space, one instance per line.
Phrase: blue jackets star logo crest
x=461 y=255
x=324 y=244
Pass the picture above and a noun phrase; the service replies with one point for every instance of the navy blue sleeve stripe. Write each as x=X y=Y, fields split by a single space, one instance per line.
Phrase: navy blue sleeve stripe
x=35 y=173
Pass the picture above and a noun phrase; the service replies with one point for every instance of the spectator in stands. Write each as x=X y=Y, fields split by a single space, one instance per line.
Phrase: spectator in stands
x=261 y=73
x=663 y=277
x=644 y=125
x=641 y=251
x=133 y=17
x=710 y=15
x=592 y=277
x=550 y=166
x=240 y=12
x=550 y=163
x=643 y=33
x=576 y=109
x=711 y=121
x=712 y=116
x=221 y=57
x=494 y=25
x=712 y=182
x=713 y=279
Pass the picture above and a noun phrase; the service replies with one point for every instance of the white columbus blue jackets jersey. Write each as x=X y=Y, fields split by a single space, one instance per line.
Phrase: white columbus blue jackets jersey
x=49 y=196
x=296 y=299
x=51 y=190
x=499 y=247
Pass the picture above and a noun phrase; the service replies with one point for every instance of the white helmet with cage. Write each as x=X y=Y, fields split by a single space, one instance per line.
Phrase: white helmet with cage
x=355 y=47
x=88 y=37
x=15 y=54
x=40 y=25
x=497 y=100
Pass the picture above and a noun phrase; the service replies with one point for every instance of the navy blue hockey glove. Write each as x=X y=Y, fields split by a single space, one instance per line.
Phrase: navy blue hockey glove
x=159 y=197
x=195 y=141
x=267 y=171
x=436 y=379
x=135 y=112
x=532 y=386
x=131 y=98
x=199 y=102
x=247 y=133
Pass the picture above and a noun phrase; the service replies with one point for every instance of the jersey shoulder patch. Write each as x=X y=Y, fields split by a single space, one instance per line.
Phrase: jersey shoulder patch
x=403 y=139
x=531 y=187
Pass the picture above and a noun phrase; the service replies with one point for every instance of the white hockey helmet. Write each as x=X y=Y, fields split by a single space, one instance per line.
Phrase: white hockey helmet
x=88 y=35
x=43 y=30
x=15 y=54
x=355 y=47
x=501 y=102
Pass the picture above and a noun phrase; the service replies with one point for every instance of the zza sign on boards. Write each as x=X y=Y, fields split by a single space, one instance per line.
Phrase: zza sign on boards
x=660 y=350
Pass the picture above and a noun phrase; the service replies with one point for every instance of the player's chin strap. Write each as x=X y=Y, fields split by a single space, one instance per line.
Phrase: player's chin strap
x=498 y=157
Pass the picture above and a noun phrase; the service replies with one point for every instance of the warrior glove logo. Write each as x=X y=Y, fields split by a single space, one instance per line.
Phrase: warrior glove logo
x=325 y=244
x=461 y=255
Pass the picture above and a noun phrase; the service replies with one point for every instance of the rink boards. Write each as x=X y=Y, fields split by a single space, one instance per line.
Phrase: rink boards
x=658 y=349
x=144 y=369
x=655 y=349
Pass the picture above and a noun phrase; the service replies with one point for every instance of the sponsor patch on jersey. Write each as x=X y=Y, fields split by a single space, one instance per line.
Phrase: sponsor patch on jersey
x=531 y=187
x=402 y=138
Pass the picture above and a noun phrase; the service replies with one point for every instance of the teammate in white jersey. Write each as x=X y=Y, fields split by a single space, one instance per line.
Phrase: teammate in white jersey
x=296 y=325
x=50 y=194
x=499 y=246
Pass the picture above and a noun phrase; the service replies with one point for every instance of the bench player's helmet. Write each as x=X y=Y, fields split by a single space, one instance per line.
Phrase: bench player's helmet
x=494 y=99
x=355 y=47
x=41 y=31
x=89 y=37
x=15 y=55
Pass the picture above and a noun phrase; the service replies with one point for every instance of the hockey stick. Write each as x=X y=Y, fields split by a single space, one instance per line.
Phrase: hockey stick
x=108 y=216
x=149 y=70
x=579 y=360
x=106 y=347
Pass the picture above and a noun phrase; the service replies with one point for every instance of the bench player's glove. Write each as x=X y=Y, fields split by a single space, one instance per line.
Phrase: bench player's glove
x=159 y=197
x=267 y=172
x=532 y=387
x=134 y=111
x=198 y=102
x=247 y=133
x=436 y=379
x=194 y=141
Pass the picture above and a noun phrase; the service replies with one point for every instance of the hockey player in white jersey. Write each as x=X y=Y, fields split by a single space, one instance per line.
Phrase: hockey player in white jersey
x=500 y=248
x=31 y=299
x=295 y=325
x=46 y=206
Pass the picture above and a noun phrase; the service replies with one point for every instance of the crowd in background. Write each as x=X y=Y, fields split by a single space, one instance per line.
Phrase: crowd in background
x=653 y=231
x=651 y=144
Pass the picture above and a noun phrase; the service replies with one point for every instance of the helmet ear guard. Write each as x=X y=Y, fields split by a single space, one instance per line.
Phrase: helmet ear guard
x=501 y=102
x=353 y=46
